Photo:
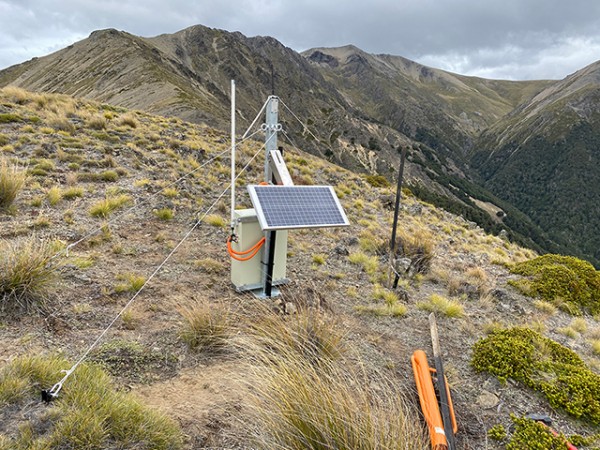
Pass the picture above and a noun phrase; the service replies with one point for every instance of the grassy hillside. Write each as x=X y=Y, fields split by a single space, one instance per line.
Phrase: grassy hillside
x=328 y=361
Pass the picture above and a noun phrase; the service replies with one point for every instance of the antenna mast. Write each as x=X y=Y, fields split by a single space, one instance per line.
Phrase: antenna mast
x=232 y=155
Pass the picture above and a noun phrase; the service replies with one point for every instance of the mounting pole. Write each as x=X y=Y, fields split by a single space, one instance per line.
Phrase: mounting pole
x=232 y=155
x=271 y=127
x=396 y=212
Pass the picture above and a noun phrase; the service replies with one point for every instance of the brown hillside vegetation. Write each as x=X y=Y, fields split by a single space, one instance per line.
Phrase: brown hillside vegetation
x=108 y=194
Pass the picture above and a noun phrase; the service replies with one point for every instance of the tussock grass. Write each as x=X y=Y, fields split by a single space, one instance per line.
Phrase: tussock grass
x=12 y=180
x=88 y=412
x=27 y=273
x=418 y=246
x=319 y=259
x=395 y=310
x=369 y=264
x=209 y=265
x=303 y=399
x=164 y=214
x=545 y=307
x=390 y=298
x=206 y=328
x=72 y=192
x=129 y=120
x=442 y=305
x=215 y=220
x=54 y=195
x=105 y=207
x=579 y=324
x=130 y=282
x=568 y=332
x=309 y=334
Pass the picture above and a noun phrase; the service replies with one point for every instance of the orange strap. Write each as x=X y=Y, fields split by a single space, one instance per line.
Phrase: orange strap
x=246 y=254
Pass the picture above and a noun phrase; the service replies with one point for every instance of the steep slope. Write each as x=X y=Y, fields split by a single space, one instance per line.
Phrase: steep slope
x=544 y=158
x=358 y=109
x=187 y=74
x=443 y=110
x=69 y=148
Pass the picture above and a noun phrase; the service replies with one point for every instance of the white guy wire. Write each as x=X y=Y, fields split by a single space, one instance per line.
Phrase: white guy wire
x=53 y=392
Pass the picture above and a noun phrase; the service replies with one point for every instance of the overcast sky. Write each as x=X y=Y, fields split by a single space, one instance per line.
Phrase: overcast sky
x=508 y=39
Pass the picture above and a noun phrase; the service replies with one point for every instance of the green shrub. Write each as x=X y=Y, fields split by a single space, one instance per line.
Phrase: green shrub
x=532 y=435
x=27 y=273
x=545 y=366
x=12 y=180
x=88 y=413
x=377 y=180
x=562 y=279
x=497 y=432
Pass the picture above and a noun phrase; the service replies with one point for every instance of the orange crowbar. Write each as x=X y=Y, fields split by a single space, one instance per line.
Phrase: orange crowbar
x=442 y=424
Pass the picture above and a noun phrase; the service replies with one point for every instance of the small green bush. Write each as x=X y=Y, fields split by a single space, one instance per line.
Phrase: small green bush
x=531 y=435
x=377 y=181
x=497 y=432
x=543 y=365
x=562 y=279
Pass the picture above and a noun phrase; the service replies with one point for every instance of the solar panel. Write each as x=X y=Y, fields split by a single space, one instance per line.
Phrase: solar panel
x=290 y=207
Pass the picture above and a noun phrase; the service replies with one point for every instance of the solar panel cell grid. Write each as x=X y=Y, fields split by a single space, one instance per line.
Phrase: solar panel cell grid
x=288 y=207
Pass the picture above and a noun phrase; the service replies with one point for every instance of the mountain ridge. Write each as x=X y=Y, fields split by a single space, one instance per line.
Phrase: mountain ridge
x=361 y=107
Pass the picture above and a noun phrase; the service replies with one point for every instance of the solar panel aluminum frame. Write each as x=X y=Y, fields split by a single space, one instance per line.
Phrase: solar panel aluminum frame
x=262 y=216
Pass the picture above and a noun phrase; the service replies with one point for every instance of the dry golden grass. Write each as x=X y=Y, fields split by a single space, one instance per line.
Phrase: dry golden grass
x=206 y=328
x=27 y=273
x=304 y=399
x=442 y=305
x=12 y=180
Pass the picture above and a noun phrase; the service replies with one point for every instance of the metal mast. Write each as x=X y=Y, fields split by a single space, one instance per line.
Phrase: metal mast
x=271 y=127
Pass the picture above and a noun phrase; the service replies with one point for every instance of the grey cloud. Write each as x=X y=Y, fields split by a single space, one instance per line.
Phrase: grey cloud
x=508 y=38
